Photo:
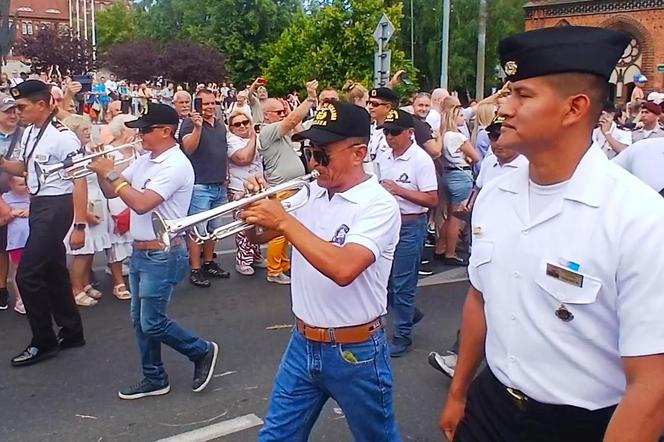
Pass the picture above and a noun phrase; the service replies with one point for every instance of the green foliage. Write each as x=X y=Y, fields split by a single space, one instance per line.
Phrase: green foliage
x=505 y=17
x=116 y=24
x=331 y=42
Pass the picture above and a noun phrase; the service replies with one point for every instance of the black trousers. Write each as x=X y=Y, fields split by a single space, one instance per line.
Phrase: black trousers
x=42 y=276
x=492 y=414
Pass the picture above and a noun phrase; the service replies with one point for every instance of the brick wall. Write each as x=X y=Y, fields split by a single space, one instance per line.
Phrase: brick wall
x=643 y=19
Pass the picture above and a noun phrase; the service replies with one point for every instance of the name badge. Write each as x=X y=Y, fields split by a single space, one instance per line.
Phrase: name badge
x=41 y=158
x=564 y=275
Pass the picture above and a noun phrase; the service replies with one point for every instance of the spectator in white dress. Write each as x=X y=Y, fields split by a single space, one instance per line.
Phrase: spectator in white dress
x=97 y=238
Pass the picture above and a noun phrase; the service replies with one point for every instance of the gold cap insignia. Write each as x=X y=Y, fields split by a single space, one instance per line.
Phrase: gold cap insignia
x=15 y=92
x=477 y=230
x=325 y=114
x=392 y=116
x=510 y=68
x=373 y=92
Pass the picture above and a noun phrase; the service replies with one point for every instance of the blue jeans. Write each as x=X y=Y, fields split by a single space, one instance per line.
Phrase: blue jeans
x=153 y=276
x=206 y=197
x=403 y=279
x=310 y=373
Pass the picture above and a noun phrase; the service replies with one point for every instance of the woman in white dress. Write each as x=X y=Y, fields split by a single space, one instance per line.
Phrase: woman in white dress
x=97 y=238
x=121 y=240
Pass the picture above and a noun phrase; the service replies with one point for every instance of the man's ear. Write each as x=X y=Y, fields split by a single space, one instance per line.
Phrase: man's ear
x=359 y=154
x=578 y=108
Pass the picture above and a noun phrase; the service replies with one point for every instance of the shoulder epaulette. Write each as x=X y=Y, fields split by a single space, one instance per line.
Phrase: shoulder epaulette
x=59 y=126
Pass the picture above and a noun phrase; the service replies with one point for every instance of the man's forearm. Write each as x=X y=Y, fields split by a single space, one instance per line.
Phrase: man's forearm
x=424 y=199
x=295 y=117
x=434 y=147
x=638 y=417
x=616 y=145
x=191 y=141
x=471 y=349
x=16 y=168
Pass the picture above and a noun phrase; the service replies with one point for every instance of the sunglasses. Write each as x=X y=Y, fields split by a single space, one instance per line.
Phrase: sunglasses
x=392 y=132
x=147 y=130
x=320 y=155
x=376 y=103
x=278 y=112
x=241 y=123
x=493 y=136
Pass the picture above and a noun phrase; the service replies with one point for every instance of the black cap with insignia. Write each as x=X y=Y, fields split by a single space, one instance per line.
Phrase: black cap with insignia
x=336 y=121
x=155 y=114
x=384 y=93
x=561 y=50
x=398 y=119
x=28 y=88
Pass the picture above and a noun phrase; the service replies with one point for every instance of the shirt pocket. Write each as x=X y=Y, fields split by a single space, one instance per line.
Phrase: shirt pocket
x=481 y=253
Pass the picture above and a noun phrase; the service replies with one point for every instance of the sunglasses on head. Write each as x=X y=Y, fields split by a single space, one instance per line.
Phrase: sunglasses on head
x=241 y=123
x=392 y=132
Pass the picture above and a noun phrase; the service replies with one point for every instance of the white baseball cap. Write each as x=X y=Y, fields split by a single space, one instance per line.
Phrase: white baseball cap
x=656 y=97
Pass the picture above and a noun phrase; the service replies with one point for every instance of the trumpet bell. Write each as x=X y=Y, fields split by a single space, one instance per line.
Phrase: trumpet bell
x=161 y=230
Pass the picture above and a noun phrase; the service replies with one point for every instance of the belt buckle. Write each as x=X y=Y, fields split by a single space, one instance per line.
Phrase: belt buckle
x=520 y=399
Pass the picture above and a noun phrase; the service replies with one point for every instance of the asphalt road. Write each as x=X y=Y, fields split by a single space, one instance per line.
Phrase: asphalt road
x=73 y=396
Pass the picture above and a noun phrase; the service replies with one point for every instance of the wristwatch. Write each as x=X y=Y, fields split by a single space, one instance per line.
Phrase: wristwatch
x=113 y=176
x=80 y=226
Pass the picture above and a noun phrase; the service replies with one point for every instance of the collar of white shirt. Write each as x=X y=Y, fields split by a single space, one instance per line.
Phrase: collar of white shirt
x=585 y=186
x=355 y=194
x=404 y=156
x=164 y=155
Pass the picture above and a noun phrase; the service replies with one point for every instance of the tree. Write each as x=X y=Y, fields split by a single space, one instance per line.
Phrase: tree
x=332 y=42
x=189 y=62
x=136 y=60
x=48 y=47
x=117 y=23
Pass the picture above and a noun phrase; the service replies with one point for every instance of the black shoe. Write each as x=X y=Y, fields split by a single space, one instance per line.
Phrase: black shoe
x=451 y=261
x=4 y=299
x=417 y=316
x=204 y=369
x=70 y=343
x=143 y=389
x=198 y=279
x=212 y=269
x=33 y=355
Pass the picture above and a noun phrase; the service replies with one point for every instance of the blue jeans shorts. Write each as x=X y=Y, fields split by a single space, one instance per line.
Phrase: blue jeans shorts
x=458 y=184
x=206 y=197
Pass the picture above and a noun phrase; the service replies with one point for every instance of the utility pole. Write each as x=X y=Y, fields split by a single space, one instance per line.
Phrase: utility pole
x=445 y=44
x=78 y=19
x=94 y=31
x=412 y=33
x=481 y=46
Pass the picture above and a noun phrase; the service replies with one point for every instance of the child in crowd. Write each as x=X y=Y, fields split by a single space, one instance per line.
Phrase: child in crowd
x=18 y=228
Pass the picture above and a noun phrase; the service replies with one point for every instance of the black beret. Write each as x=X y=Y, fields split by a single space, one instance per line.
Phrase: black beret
x=155 y=113
x=336 y=121
x=28 y=88
x=384 y=93
x=398 y=119
x=561 y=50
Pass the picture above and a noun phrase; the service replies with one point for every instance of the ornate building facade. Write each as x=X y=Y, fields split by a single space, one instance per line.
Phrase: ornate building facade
x=642 y=19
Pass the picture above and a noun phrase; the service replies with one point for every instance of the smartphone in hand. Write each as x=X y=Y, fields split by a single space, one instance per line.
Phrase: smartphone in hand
x=198 y=105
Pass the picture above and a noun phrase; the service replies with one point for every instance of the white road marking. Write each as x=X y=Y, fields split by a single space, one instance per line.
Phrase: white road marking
x=214 y=431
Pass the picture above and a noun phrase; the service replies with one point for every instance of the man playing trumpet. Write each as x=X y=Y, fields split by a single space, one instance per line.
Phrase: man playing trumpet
x=344 y=237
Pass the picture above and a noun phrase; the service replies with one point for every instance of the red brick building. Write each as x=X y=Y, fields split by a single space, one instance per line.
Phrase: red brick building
x=642 y=19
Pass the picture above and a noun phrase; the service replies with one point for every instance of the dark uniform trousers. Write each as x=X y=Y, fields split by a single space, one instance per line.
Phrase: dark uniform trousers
x=493 y=414
x=42 y=276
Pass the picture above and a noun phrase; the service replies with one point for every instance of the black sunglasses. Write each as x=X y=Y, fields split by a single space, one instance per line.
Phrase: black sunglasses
x=392 y=132
x=320 y=155
x=147 y=130
x=241 y=123
x=376 y=103
x=493 y=136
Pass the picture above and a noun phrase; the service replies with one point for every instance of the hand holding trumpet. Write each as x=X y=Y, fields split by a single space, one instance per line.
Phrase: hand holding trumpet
x=267 y=213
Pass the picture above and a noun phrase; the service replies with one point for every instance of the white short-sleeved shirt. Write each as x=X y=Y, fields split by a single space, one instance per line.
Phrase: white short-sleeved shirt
x=414 y=170
x=172 y=177
x=366 y=215
x=239 y=174
x=645 y=160
x=622 y=136
x=377 y=142
x=609 y=224
x=452 y=142
x=492 y=169
x=56 y=144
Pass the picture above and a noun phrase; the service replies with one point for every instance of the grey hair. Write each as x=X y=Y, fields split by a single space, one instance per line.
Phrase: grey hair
x=117 y=125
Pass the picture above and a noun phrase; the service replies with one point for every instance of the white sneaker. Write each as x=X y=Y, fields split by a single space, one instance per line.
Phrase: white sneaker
x=279 y=279
x=19 y=307
x=244 y=270
x=445 y=364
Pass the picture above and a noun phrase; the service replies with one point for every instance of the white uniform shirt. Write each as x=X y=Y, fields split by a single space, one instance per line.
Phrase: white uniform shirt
x=491 y=168
x=610 y=224
x=377 y=142
x=172 y=177
x=645 y=160
x=622 y=136
x=414 y=170
x=56 y=144
x=366 y=215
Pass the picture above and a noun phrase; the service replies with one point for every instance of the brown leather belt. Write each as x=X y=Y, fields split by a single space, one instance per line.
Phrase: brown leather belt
x=156 y=245
x=410 y=217
x=339 y=335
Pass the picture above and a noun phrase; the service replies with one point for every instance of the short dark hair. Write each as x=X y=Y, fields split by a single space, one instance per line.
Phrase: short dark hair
x=40 y=96
x=594 y=86
x=204 y=91
x=609 y=108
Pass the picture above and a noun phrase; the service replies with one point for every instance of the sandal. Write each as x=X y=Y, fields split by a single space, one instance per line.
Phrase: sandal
x=93 y=292
x=120 y=291
x=84 y=300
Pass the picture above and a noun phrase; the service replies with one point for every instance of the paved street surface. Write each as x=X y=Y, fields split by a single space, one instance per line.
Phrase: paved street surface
x=73 y=396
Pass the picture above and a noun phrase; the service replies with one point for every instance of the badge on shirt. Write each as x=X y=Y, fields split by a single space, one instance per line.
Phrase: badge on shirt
x=564 y=275
x=145 y=184
x=340 y=235
x=403 y=179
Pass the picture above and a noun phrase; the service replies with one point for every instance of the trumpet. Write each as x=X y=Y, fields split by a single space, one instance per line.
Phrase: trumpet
x=76 y=167
x=165 y=229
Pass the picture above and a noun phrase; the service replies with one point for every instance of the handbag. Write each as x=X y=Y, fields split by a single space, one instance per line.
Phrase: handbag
x=121 y=222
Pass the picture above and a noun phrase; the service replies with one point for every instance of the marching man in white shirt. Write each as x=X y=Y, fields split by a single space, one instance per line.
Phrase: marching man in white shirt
x=407 y=172
x=161 y=180
x=566 y=267
x=344 y=239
